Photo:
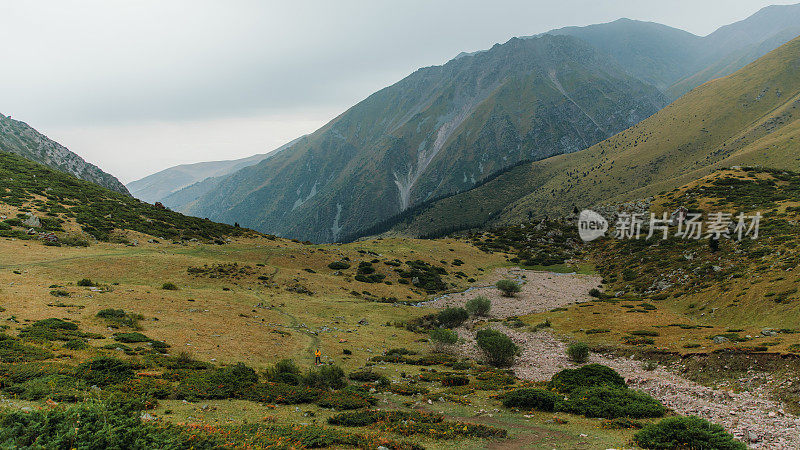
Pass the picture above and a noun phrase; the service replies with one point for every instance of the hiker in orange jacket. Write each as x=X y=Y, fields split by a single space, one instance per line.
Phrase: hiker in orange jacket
x=317 y=357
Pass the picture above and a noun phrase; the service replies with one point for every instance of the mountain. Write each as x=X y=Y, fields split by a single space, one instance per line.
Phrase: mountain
x=18 y=137
x=655 y=53
x=745 y=119
x=68 y=206
x=734 y=46
x=676 y=61
x=158 y=186
x=438 y=131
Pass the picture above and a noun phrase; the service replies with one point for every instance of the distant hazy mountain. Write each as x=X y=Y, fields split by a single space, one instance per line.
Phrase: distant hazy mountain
x=676 y=61
x=160 y=185
x=750 y=118
x=18 y=137
x=438 y=131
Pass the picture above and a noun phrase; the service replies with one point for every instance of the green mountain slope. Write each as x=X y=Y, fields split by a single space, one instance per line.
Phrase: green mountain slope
x=747 y=118
x=18 y=137
x=67 y=206
x=438 y=131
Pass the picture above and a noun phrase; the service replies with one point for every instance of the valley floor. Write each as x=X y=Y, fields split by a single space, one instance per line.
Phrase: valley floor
x=753 y=417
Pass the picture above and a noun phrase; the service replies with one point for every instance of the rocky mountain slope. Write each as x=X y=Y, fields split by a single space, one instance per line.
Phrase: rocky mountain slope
x=438 y=131
x=158 y=186
x=747 y=118
x=18 y=137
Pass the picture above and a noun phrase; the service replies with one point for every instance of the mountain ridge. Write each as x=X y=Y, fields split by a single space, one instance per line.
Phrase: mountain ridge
x=20 y=138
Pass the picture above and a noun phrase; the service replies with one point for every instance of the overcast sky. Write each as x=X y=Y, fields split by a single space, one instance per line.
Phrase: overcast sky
x=137 y=86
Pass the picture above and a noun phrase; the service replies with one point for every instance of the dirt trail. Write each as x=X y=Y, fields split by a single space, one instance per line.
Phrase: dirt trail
x=541 y=291
x=752 y=417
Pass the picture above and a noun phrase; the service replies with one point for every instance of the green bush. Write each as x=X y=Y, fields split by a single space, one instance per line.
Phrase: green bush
x=145 y=388
x=120 y=318
x=325 y=377
x=345 y=400
x=590 y=375
x=578 y=352
x=478 y=306
x=59 y=388
x=531 y=398
x=12 y=350
x=284 y=371
x=451 y=317
x=611 y=402
x=76 y=344
x=93 y=426
x=498 y=348
x=224 y=382
x=508 y=287
x=339 y=265
x=443 y=337
x=169 y=286
x=104 y=371
x=86 y=283
x=365 y=418
x=281 y=393
x=455 y=380
x=54 y=330
x=131 y=338
x=367 y=376
x=686 y=432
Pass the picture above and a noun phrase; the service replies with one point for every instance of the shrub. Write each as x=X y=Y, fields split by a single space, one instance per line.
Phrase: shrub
x=76 y=344
x=367 y=376
x=120 y=318
x=59 y=388
x=508 y=287
x=365 y=418
x=591 y=375
x=478 y=306
x=281 y=393
x=686 y=432
x=578 y=352
x=325 y=377
x=594 y=292
x=407 y=389
x=455 y=380
x=498 y=348
x=86 y=283
x=339 y=265
x=225 y=382
x=101 y=426
x=131 y=338
x=452 y=317
x=59 y=293
x=145 y=388
x=442 y=338
x=12 y=351
x=531 y=398
x=611 y=402
x=345 y=400
x=104 y=371
x=169 y=286
x=284 y=371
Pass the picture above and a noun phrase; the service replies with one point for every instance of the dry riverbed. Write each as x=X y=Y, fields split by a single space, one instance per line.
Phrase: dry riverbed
x=753 y=417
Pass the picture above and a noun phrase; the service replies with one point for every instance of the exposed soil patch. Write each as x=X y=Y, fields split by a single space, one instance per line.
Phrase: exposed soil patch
x=541 y=291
